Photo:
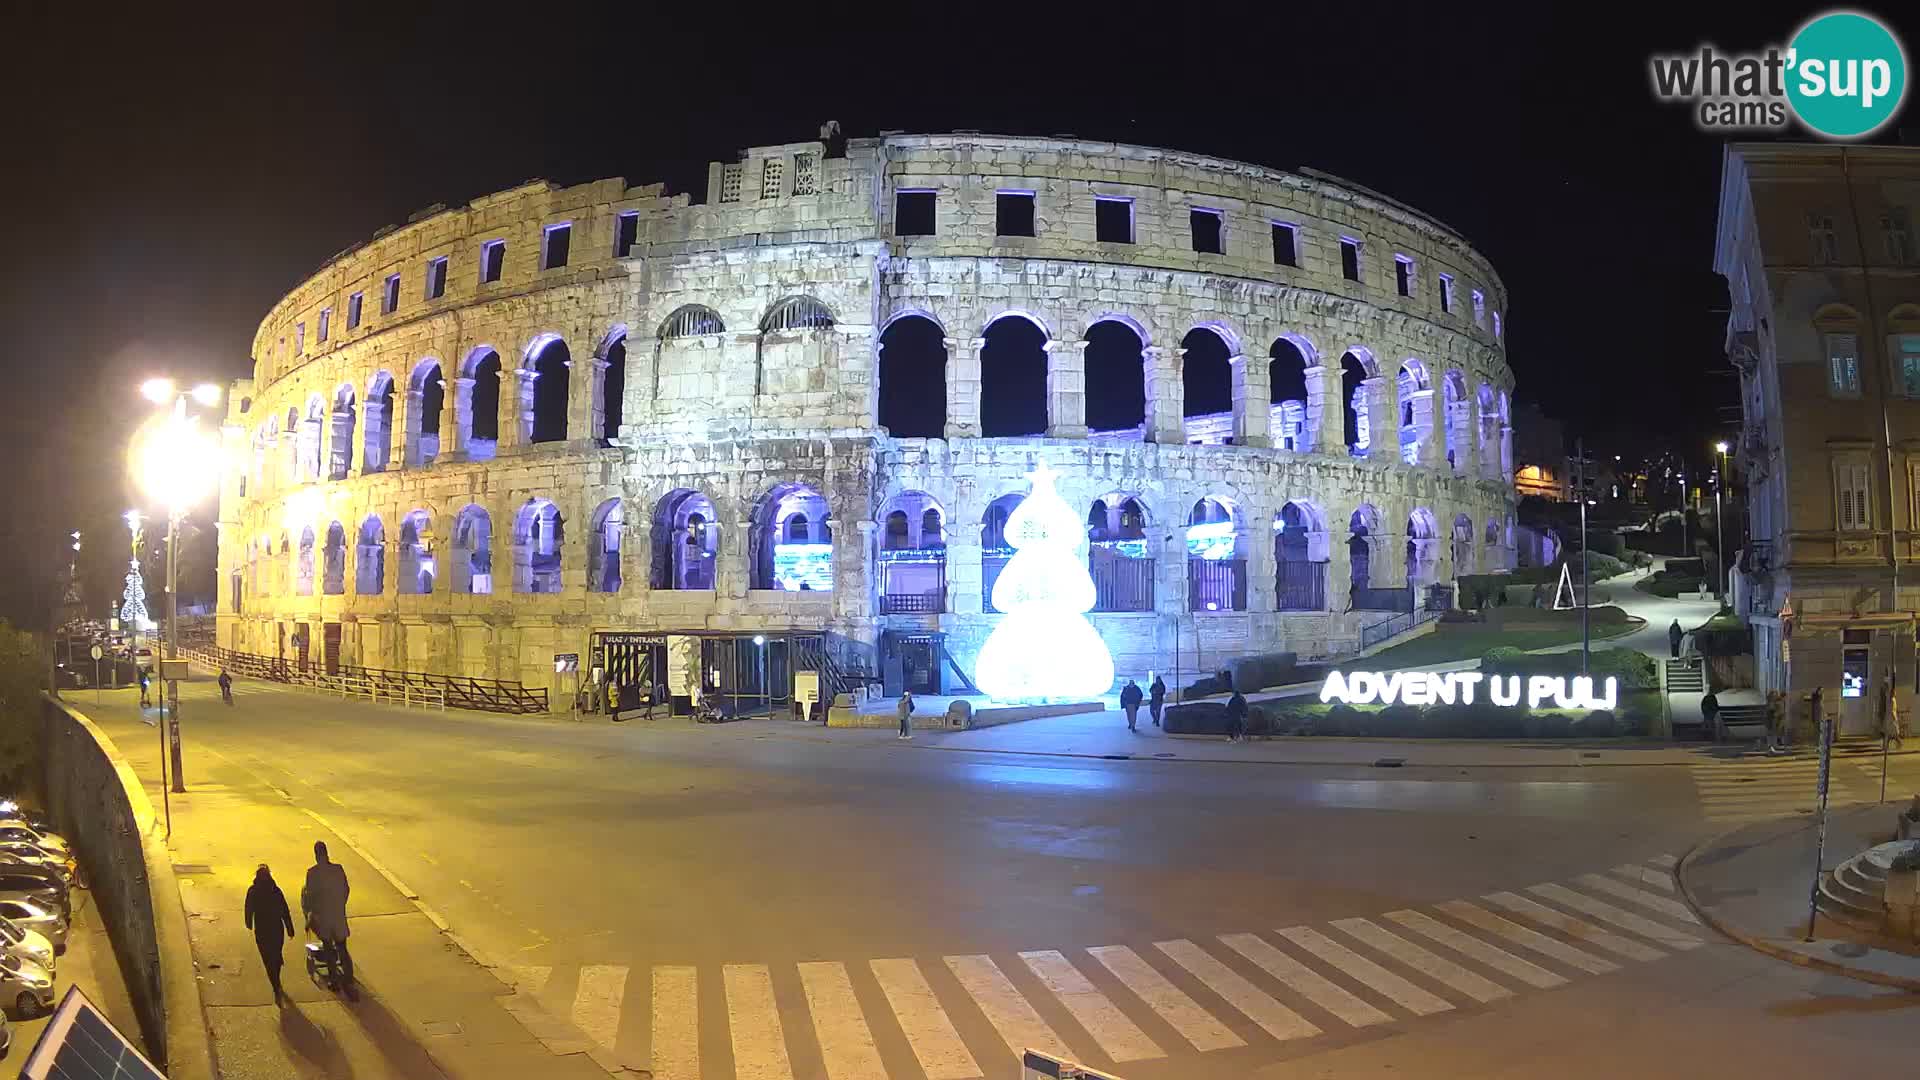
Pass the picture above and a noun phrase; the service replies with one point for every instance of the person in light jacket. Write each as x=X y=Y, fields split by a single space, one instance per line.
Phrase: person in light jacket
x=324 y=902
x=906 y=714
x=272 y=924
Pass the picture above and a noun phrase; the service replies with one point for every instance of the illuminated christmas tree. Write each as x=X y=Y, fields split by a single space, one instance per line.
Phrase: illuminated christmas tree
x=1045 y=649
x=133 y=602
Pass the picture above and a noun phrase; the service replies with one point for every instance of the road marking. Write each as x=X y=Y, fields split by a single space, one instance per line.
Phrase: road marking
x=753 y=1020
x=1659 y=879
x=942 y=1055
x=1672 y=909
x=1305 y=981
x=1274 y=1018
x=846 y=1045
x=1432 y=965
x=1119 y=1037
x=528 y=979
x=676 y=1023
x=430 y=859
x=1009 y=1013
x=1182 y=1013
x=1480 y=917
x=1625 y=920
x=1575 y=928
x=1467 y=945
x=1667 y=861
x=1360 y=969
x=596 y=1002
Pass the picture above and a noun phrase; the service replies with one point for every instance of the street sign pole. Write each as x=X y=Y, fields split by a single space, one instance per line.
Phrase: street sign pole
x=98 y=652
x=1820 y=844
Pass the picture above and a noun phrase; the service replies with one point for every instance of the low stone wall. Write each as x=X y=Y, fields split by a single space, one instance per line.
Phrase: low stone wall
x=992 y=717
x=97 y=801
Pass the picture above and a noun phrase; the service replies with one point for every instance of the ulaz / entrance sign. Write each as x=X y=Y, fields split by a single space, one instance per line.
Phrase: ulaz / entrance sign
x=1459 y=687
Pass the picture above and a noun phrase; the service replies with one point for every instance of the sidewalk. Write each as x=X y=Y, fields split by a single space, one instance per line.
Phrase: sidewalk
x=1753 y=884
x=426 y=1008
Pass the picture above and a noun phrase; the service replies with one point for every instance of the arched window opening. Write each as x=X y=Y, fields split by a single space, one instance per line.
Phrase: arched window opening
x=1489 y=409
x=429 y=389
x=691 y=320
x=537 y=544
x=792 y=541
x=334 y=581
x=1216 y=557
x=1207 y=379
x=1459 y=423
x=913 y=559
x=548 y=372
x=1287 y=389
x=290 y=448
x=1353 y=398
x=480 y=419
x=1300 y=554
x=416 y=570
x=1119 y=557
x=913 y=379
x=377 y=441
x=1462 y=545
x=1013 y=379
x=686 y=542
x=1423 y=549
x=1416 y=409
x=473 y=551
x=995 y=552
x=1116 y=381
x=310 y=430
x=796 y=313
x=340 y=435
x=1363 y=531
x=787 y=327
x=603 y=552
x=303 y=567
x=370 y=558
x=613 y=389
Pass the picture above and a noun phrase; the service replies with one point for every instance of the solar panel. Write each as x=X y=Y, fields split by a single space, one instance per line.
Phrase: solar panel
x=80 y=1043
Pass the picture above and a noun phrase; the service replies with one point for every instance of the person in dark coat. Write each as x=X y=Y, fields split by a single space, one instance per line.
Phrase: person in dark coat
x=1130 y=696
x=1674 y=634
x=1157 y=701
x=271 y=923
x=906 y=715
x=226 y=686
x=1236 y=717
x=324 y=902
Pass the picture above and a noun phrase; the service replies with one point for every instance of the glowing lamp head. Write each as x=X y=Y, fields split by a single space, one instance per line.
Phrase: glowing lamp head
x=207 y=394
x=1720 y=446
x=174 y=461
x=158 y=391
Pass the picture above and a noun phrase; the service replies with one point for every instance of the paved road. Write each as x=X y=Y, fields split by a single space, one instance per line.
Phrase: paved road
x=819 y=906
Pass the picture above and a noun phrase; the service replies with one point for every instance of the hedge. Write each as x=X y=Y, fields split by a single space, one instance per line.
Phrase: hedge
x=1632 y=667
x=1481 y=720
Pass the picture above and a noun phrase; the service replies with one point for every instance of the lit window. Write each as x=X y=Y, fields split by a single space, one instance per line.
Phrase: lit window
x=353 y=310
x=913 y=213
x=1286 y=244
x=1910 y=364
x=772 y=179
x=1403 y=275
x=1843 y=365
x=325 y=328
x=1207 y=230
x=437 y=278
x=1013 y=213
x=390 y=296
x=1446 y=292
x=1479 y=308
x=493 y=260
x=1350 y=258
x=1112 y=219
x=626 y=232
x=556 y=245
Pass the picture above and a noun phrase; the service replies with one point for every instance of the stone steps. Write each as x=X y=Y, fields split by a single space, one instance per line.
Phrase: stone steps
x=1856 y=890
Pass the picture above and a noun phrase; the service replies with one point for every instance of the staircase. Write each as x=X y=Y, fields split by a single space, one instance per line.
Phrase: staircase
x=1855 y=892
x=1686 y=677
x=1740 y=722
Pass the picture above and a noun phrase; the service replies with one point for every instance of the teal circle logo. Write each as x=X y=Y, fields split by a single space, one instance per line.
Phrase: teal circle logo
x=1847 y=74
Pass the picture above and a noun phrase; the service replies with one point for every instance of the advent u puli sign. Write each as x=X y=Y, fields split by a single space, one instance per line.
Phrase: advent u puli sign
x=1460 y=687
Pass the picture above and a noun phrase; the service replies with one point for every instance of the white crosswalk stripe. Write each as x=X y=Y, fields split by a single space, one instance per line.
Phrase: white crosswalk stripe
x=1625 y=920
x=1574 y=928
x=1254 y=1003
x=846 y=1044
x=1664 y=861
x=1644 y=875
x=1182 y=1013
x=753 y=1019
x=676 y=1023
x=1733 y=793
x=1672 y=909
x=596 y=1001
x=1480 y=918
x=1305 y=981
x=1467 y=945
x=1008 y=1012
x=930 y=1034
x=1435 y=967
x=1120 y=1038
x=1398 y=990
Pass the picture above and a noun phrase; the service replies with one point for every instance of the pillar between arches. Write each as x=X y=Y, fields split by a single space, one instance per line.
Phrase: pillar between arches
x=1252 y=410
x=1166 y=395
x=963 y=387
x=1383 y=420
x=1066 y=389
x=1325 y=411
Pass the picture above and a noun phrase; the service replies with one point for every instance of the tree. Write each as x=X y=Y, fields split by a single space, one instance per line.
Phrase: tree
x=133 y=602
x=1045 y=649
x=23 y=676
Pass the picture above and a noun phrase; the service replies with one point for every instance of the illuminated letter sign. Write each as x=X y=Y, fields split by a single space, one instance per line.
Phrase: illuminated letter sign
x=1450 y=687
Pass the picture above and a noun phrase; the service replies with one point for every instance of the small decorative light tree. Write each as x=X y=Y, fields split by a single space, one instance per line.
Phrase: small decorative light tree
x=133 y=602
x=1045 y=649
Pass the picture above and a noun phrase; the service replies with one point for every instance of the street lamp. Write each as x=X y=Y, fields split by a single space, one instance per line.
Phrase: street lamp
x=1719 y=531
x=176 y=463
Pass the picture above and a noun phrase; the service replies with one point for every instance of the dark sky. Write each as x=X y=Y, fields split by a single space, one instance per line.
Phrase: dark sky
x=171 y=174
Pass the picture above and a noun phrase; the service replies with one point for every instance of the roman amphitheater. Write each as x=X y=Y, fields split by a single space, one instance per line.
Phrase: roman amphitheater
x=782 y=428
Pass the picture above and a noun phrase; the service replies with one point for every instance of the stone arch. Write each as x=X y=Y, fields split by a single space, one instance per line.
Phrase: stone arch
x=1206 y=379
x=685 y=542
x=1415 y=391
x=1116 y=376
x=303 y=562
x=1301 y=550
x=1355 y=400
x=416 y=565
x=340 y=422
x=545 y=390
x=1459 y=420
x=913 y=555
x=376 y=439
x=911 y=371
x=691 y=320
x=1423 y=548
x=995 y=551
x=610 y=384
x=1462 y=548
x=603 y=547
x=333 y=579
x=1363 y=532
x=1216 y=555
x=912 y=521
x=1487 y=403
x=1120 y=552
x=472 y=555
x=539 y=543
x=426 y=392
x=1294 y=424
x=476 y=403
x=370 y=557
x=1013 y=376
x=794 y=319
x=790 y=540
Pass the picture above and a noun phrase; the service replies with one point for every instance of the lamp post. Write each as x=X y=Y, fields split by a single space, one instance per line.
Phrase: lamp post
x=176 y=463
x=1719 y=530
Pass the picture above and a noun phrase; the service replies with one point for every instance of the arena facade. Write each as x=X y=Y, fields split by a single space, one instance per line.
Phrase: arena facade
x=594 y=419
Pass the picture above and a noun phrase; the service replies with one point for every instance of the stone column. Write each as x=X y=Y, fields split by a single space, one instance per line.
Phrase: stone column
x=516 y=403
x=1506 y=453
x=1260 y=561
x=734 y=574
x=963 y=387
x=456 y=419
x=1468 y=457
x=1166 y=395
x=1339 y=567
x=593 y=403
x=1383 y=420
x=1252 y=411
x=1066 y=389
x=1326 y=417
x=1430 y=427
x=1168 y=543
x=856 y=594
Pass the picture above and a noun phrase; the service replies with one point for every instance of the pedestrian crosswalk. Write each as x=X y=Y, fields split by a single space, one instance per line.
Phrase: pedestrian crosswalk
x=968 y=1017
x=1737 y=792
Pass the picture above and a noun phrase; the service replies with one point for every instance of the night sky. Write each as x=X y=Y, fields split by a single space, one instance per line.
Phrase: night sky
x=171 y=174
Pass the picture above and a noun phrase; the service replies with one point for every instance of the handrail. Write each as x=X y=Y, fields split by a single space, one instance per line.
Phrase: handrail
x=1374 y=633
x=405 y=687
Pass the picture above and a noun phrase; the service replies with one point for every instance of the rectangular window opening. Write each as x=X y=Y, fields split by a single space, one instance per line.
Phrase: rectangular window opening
x=1013 y=213
x=1112 y=219
x=626 y=232
x=1843 y=365
x=555 y=245
x=1403 y=275
x=1286 y=244
x=299 y=339
x=1854 y=484
x=437 y=278
x=1206 y=226
x=1446 y=293
x=1479 y=308
x=390 y=297
x=913 y=213
x=353 y=310
x=1350 y=258
x=325 y=329
x=493 y=261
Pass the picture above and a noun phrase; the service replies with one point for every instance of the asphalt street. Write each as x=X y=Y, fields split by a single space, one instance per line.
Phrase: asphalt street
x=763 y=884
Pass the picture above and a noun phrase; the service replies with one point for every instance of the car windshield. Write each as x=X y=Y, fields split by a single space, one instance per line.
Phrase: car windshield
x=11 y=932
x=9 y=961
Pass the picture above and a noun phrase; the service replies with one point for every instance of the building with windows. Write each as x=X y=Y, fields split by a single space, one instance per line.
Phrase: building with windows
x=599 y=418
x=1816 y=245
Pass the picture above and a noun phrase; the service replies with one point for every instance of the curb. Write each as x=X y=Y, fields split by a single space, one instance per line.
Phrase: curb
x=1760 y=945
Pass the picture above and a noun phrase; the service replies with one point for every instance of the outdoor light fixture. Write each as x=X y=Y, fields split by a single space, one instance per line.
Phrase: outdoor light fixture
x=1044 y=648
x=175 y=462
x=207 y=394
x=1720 y=446
x=158 y=391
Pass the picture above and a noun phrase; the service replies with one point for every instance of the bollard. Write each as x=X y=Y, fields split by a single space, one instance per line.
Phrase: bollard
x=1902 y=898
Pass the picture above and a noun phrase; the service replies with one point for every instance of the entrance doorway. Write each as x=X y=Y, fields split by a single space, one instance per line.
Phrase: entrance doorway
x=1857 y=697
x=330 y=647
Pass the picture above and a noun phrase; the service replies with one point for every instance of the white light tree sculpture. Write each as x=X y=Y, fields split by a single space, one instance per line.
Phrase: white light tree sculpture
x=1045 y=649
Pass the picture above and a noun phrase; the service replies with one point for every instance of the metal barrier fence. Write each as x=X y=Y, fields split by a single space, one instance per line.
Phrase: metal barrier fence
x=380 y=684
x=1374 y=633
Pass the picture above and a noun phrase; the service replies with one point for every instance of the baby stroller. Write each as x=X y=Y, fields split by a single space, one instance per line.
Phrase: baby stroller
x=323 y=966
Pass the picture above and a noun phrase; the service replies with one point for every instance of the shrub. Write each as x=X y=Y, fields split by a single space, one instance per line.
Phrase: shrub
x=1631 y=666
x=1261 y=670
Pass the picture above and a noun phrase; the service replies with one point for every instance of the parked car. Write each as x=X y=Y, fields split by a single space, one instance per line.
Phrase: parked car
x=11 y=811
x=6 y=1035
x=19 y=832
x=31 y=883
x=25 y=985
x=49 y=922
x=50 y=873
x=31 y=944
x=28 y=855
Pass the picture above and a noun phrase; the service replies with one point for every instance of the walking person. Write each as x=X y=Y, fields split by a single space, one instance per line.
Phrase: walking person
x=1130 y=696
x=145 y=701
x=1236 y=717
x=1157 y=699
x=324 y=903
x=226 y=686
x=1674 y=634
x=267 y=916
x=906 y=714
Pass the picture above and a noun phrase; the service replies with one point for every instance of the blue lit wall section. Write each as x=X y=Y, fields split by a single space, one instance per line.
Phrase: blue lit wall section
x=1212 y=540
x=808 y=564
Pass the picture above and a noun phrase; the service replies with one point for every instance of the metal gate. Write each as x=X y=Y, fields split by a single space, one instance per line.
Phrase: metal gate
x=629 y=659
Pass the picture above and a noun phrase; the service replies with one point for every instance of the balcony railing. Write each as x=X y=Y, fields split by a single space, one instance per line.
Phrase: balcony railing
x=924 y=603
x=1122 y=584
x=1300 y=586
x=1216 y=584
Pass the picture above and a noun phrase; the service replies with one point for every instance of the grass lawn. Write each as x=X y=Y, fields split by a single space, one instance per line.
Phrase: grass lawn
x=1470 y=641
